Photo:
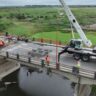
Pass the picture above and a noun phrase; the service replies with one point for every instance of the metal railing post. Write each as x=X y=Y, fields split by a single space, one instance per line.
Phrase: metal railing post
x=95 y=75
x=18 y=56
x=29 y=60
x=42 y=63
x=7 y=54
x=57 y=66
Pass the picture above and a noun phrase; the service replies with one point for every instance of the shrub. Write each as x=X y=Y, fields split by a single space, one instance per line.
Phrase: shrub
x=4 y=23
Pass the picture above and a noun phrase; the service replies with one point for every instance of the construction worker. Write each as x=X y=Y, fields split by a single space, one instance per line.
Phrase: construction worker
x=47 y=59
x=76 y=68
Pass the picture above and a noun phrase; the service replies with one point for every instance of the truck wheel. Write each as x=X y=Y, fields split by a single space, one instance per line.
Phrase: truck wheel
x=85 y=58
x=70 y=52
x=76 y=56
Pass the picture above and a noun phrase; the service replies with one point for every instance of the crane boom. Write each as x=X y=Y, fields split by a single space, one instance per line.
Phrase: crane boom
x=75 y=24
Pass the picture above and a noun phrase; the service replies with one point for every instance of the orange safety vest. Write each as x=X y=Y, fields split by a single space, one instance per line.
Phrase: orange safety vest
x=47 y=59
x=1 y=43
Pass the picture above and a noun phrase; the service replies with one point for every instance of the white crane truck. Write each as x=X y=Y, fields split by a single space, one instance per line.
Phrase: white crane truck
x=75 y=46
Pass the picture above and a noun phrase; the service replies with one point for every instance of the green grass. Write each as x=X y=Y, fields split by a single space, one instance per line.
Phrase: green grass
x=33 y=26
x=21 y=29
x=84 y=15
x=63 y=37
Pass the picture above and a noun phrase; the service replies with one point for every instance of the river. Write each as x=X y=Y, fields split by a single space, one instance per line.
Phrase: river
x=39 y=84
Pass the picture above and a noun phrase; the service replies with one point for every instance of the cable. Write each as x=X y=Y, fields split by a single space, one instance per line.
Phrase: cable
x=73 y=36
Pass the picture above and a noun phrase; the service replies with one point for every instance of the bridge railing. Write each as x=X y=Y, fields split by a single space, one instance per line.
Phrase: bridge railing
x=21 y=57
x=41 y=62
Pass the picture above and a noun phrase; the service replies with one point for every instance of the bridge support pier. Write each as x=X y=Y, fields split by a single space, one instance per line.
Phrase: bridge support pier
x=82 y=90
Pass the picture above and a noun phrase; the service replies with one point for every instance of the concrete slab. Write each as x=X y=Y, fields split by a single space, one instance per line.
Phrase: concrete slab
x=23 y=48
x=7 y=67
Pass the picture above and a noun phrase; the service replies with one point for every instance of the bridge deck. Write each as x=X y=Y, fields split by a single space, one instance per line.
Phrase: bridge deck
x=7 y=67
x=38 y=52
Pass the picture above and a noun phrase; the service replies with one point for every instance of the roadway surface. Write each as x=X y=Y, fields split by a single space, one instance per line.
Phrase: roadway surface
x=37 y=52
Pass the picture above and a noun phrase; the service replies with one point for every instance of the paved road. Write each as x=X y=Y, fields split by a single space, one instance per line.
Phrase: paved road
x=66 y=59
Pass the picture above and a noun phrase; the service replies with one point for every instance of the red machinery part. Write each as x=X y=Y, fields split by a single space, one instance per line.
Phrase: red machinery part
x=1 y=43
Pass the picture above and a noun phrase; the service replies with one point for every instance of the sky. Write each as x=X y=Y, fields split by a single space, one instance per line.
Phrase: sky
x=45 y=2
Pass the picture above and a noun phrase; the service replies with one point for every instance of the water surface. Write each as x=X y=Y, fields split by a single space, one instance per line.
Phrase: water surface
x=39 y=84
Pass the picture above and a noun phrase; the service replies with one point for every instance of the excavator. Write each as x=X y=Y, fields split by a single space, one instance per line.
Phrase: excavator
x=75 y=45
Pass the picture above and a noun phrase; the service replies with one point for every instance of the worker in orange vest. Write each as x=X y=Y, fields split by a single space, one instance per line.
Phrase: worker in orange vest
x=47 y=59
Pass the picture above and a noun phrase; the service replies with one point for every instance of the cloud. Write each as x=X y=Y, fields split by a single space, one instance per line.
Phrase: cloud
x=45 y=2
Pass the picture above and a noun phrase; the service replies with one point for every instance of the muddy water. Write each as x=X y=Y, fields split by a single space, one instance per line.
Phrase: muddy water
x=39 y=84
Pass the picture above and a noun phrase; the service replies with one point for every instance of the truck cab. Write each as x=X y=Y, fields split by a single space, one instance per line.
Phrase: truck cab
x=76 y=44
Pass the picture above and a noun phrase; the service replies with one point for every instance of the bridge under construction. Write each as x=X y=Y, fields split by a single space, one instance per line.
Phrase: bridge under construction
x=33 y=55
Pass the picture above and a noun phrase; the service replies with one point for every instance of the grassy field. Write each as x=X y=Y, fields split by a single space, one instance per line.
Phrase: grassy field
x=63 y=37
x=45 y=22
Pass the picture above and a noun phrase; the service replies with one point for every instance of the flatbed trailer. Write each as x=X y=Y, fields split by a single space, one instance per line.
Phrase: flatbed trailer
x=85 y=54
x=75 y=45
